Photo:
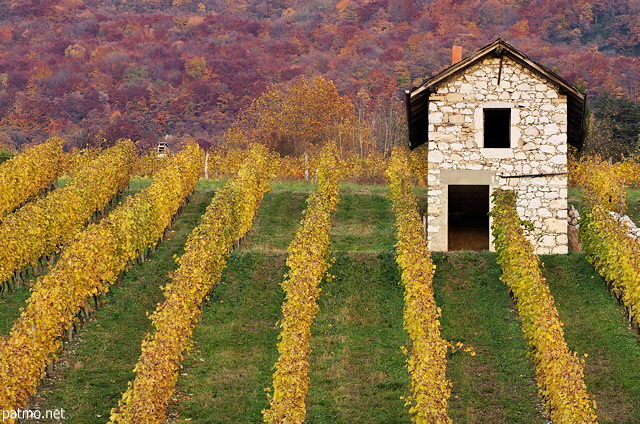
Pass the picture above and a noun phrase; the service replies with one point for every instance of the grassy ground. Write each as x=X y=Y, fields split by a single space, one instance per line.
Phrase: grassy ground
x=357 y=368
x=497 y=384
x=358 y=372
x=633 y=205
x=10 y=304
x=633 y=202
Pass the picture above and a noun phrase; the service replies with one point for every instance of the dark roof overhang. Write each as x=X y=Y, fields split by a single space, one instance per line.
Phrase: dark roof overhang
x=417 y=98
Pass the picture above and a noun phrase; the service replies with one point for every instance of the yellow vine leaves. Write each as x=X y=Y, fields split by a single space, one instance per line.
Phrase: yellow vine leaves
x=430 y=390
x=559 y=373
x=308 y=262
x=29 y=174
x=88 y=266
x=227 y=219
x=613 y=253
x=41 y=227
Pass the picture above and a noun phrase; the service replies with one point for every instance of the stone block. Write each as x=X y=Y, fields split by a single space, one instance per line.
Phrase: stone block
x=546 y=148
x=548 y=240
x=466 y=88
x=560 y=118
x=455 y=97
x=534 y=203
x=556 y=226
x=557 y=139
x=497 y=153
x=435 y=156
x=559 y=250
x=544 y=213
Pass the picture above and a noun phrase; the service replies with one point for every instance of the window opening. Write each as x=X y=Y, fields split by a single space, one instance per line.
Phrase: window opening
x=497 y=128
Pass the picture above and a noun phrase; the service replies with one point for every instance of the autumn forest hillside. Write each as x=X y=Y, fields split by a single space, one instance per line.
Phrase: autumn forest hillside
x=97 y=70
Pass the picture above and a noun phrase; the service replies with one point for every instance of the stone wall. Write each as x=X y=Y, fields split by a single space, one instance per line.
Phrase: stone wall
x=538 y=146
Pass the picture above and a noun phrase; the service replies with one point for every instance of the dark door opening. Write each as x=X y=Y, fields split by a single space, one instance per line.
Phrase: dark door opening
x=468 y=217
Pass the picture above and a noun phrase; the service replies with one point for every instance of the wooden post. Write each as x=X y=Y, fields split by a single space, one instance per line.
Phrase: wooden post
x=70 y=333
x=424 y=224
x=306 y=166
x=621 y=199
x=206 y=166
x=16 y=279
x=50 y=367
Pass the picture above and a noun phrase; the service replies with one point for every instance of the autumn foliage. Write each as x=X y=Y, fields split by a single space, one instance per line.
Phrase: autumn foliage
x=308 y=262
x=29 y=174
x=96 y=71
x=226 y=220
x=605 y=181
x=42 y=227
x=609 y=247
x=559 y=373
x=302 y=118
x=430 y=389
x=88 y=267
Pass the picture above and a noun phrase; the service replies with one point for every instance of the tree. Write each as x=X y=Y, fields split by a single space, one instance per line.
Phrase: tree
x=307 y=114
x=616 y=127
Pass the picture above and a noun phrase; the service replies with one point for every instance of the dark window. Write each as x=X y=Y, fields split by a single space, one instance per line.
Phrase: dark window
x=497 y=128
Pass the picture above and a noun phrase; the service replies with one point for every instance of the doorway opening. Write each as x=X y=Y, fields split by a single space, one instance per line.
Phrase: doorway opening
x=468 y=216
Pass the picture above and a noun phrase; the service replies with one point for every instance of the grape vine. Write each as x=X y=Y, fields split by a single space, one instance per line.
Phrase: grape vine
x=87 y=267
x=430 y=390
x=308 y=263
x=227 y=219
x=28 y=174
x=41 y=227
x=559 y=373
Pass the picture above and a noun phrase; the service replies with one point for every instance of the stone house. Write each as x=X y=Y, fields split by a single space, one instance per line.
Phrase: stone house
x=495 y=119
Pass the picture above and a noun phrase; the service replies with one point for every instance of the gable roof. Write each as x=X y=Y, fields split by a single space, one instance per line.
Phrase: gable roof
x=417 y=99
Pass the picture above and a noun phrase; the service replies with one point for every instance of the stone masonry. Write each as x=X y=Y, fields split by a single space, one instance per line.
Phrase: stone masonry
x=538 y=146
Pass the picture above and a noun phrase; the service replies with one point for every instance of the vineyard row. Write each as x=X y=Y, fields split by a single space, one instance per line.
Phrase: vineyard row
x=226 y=220
x=41 y=227
x=87 y=267
x=29 y=174
x=308 y=262
x=559 y=373
x=430 y=390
